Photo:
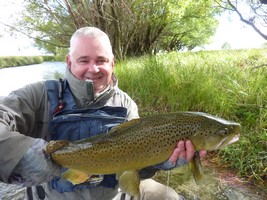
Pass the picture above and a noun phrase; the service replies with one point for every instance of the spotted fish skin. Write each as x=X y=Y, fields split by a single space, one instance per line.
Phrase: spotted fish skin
x=143 y=142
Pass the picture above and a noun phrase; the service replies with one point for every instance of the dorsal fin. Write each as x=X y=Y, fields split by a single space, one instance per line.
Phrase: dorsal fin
x=124 y=126
x=113 y=132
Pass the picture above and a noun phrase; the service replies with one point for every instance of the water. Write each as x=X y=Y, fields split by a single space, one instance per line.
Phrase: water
x=17 y=77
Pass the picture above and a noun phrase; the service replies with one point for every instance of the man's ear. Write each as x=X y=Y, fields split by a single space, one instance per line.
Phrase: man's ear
x=113 y=63
x=68 y=61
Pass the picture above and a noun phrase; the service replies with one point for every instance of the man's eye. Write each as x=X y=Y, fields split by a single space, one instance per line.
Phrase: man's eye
x=83 y=61
x=102 y=60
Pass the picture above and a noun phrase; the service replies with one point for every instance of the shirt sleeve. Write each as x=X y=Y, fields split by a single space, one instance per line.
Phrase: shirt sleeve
x=122 y=99
x=128 y=102
x=35 y=167
x=132 y=111
x=13 y=145
x=19 y=119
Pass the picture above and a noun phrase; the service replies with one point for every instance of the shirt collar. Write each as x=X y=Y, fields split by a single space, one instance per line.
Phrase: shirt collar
x=83 y=90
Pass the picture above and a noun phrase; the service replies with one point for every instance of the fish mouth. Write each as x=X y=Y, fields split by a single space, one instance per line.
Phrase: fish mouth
x=234 y=139
x=227 y=141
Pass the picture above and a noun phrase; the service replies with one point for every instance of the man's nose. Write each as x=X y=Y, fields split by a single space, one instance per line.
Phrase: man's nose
x=93 y=68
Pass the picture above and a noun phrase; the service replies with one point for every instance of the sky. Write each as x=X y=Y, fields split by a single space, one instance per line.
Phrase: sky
x=230 y=30
x=236 y=33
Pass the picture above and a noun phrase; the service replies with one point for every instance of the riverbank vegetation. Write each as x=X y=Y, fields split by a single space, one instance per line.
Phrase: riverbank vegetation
x=229 y=84
x=14 y=61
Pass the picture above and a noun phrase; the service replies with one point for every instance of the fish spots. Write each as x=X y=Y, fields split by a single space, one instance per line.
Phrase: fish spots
x=148 y=141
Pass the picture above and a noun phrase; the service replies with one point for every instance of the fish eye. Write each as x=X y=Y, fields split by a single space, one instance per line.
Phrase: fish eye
x=224 y=131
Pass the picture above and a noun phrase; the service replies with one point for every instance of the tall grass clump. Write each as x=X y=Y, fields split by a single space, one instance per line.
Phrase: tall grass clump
x=229 y=84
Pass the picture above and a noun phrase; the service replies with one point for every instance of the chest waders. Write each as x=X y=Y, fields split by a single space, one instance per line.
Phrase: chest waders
x=69 y=123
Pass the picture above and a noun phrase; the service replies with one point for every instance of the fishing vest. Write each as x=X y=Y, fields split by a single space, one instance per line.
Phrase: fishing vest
x=67 y=122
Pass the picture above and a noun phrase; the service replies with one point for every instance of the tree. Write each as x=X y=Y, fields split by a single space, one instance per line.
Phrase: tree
x=226 y=46
x=134 y=26
x=253 y=13
x=190 y=26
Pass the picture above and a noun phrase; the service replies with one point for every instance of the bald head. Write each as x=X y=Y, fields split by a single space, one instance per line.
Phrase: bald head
x=90 y=32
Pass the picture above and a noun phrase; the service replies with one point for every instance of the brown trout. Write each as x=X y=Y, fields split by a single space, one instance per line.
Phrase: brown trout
x=140 y=143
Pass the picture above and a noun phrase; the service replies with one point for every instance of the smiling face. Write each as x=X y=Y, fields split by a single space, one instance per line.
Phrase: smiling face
x=91 y=58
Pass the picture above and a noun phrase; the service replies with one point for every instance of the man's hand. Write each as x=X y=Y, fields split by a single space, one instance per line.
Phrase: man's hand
x=184 y=150
x=181 y=155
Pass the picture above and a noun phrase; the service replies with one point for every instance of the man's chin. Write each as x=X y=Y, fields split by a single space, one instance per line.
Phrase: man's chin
x=99 y=89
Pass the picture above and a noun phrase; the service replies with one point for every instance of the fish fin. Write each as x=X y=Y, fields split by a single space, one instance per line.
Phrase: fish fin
x=75 y=176
x=196 y=167
x=129 y=182
x=124 y=126
x=92 y=139
x=119 y=129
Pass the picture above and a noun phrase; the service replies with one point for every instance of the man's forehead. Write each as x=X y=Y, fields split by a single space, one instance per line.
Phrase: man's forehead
x=96 y=46
x=87 y=57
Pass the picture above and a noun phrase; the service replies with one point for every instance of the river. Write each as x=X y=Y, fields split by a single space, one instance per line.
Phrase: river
x=217 y=184
x=15 y=77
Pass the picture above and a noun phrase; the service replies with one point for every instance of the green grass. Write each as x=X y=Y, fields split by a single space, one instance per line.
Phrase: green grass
x=229 y=84
x=14 y=61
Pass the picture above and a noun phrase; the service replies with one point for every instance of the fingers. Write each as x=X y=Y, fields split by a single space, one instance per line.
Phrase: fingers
x=183 y=150
x=190 y=150
x=177 y=152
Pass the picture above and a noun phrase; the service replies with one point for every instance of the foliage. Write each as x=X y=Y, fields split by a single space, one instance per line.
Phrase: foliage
x=226 y=46
x=13 y=61
x=231 y=84
x=134 y=26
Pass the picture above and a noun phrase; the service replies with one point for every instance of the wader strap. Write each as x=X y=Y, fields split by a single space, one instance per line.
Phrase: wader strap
x=29 y=193
x=123 y=197
x=40 y=192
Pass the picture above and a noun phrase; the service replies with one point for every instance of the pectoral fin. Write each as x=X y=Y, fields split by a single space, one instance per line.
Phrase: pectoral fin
x=129 y=182
x=75 y=176
x=196 y=167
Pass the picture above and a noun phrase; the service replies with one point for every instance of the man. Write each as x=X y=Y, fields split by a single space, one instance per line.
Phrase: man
x=88 y=102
